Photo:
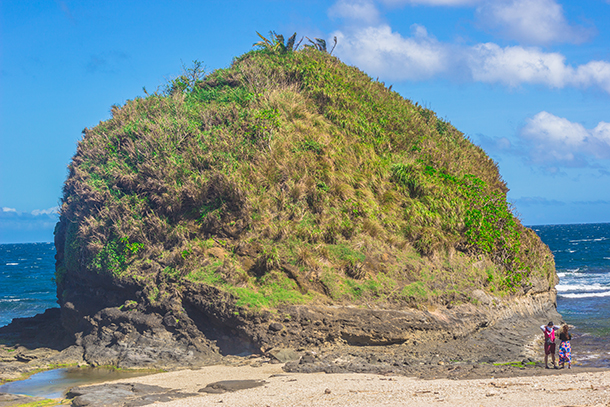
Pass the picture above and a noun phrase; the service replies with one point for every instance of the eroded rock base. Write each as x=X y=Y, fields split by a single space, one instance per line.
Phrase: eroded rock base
x=339 y=339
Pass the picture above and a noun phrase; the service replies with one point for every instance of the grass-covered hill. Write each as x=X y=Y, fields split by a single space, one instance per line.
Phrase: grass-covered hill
x=290 y=177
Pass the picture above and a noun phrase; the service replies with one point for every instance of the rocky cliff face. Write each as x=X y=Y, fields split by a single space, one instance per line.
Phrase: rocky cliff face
x=208 y=325
x=287 y=201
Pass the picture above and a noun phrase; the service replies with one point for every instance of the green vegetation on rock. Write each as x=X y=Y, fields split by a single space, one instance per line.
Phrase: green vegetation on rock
x=290 y=177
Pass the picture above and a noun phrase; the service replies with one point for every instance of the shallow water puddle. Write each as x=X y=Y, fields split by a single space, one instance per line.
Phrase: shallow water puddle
x=55 y=383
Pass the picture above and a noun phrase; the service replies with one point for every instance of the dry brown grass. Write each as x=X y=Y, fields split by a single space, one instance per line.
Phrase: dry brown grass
x=291 y=158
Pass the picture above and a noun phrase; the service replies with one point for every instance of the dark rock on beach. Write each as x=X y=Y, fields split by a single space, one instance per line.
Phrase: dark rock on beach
x=122 y=394
x=230 y=386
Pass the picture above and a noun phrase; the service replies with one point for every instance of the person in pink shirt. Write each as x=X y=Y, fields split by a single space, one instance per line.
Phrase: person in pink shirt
x=549 y=343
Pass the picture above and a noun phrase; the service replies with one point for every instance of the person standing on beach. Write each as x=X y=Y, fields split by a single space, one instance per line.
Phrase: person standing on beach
x=565 y=349
x=549 y=343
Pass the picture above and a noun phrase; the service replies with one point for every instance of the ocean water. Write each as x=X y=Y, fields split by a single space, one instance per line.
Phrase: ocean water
x=53 y=384
x=26 y=280
x=582 y=260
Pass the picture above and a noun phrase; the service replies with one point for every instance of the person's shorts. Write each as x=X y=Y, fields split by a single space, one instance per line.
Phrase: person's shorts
x=549 y=348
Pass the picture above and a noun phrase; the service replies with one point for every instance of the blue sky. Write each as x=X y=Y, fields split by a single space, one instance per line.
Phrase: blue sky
x=528 y=80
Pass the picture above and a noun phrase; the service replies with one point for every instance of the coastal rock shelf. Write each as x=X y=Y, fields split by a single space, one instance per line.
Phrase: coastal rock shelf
x=408 y=342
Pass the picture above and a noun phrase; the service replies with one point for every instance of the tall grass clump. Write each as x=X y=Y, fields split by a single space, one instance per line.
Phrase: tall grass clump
x=288 y=177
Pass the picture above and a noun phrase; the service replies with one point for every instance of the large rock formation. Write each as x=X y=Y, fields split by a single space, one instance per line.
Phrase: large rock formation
x=288 y=200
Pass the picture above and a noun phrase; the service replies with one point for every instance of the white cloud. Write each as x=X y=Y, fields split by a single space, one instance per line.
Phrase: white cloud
x=530 y=21
x=553 y=139
x=534 y=22
x=363 y=11
x=51 y=211
x=34 y=226
x=594 y=73
x=54 y=211
x=381 y=51
x=517 y=65
x=600 y=140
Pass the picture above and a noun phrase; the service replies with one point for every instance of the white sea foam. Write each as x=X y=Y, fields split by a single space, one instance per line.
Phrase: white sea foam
x=586 y=295
x=600 y=239
x=579 y=287
x=10 y=299
x=12 y=264
x=577 y=269
x=561 y=274
x=588 y=356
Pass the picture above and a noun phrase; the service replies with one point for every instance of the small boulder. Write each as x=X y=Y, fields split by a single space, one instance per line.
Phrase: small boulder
x=285 y=355
x=275 y=326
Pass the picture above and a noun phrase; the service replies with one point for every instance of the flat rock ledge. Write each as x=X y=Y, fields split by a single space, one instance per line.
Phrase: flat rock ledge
x=136 y=394
x=123 y=394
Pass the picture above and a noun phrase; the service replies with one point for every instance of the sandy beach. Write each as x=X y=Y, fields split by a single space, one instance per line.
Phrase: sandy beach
x=321 y=389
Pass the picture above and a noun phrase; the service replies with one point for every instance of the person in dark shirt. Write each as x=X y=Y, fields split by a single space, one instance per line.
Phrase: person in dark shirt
x=565 y=349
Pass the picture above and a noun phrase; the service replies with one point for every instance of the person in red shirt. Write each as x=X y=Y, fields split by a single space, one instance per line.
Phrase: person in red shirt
x=549 y=343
